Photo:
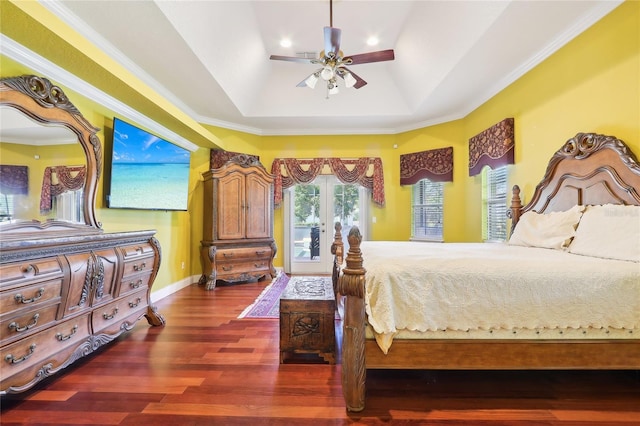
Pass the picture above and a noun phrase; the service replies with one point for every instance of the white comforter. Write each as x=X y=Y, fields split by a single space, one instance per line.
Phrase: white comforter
x=470 y=286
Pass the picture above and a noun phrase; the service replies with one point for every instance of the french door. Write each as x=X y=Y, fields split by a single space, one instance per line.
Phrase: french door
x=311 y=211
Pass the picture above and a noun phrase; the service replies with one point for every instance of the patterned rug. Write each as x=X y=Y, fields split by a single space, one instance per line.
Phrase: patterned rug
x=267 y=304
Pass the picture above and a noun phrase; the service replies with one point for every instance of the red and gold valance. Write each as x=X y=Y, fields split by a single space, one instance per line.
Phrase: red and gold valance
x=493 y=147
x=365 y=171
x=69 y=178
x=219 y=157
x=435 y=165
x=14 y=180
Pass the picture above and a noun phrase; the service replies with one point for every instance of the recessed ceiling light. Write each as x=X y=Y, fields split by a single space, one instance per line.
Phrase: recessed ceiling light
x=285 y=42
x=372 y=41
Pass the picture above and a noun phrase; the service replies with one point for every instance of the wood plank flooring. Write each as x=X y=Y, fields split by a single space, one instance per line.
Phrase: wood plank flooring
x=206 y=367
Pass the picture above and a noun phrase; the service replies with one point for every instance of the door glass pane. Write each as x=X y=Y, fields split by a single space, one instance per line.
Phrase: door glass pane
x=346 y=209
x=306 y=222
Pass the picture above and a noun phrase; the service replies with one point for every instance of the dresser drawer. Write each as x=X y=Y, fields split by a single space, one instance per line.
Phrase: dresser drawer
x=40 y=348
x=29 y=295
x=134 y=283
x=28 y=322
x=111 y=318
x=19 y=273
x=136 y=251
x=138 y=266
x=137 y=259
x=239 y=254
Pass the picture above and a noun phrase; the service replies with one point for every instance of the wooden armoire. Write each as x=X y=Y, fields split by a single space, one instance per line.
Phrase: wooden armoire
x=237 y=243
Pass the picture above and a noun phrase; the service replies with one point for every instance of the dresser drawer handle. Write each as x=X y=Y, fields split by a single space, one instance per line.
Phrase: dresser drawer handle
x=139 y=267
x=12 y=360
x=260 y=252
x=227 y=255
x=110 y=316
x=135 y=304
x=227 y=268
x=15 y=326
x=61 y=337
x=259 y=265
x=28 y=269
x=135 y=284
x=20 y=298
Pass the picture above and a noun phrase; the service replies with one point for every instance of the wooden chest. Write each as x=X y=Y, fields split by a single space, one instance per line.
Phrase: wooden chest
x=307 y=318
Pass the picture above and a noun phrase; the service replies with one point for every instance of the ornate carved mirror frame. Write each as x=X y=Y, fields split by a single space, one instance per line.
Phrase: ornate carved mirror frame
x=46 y=103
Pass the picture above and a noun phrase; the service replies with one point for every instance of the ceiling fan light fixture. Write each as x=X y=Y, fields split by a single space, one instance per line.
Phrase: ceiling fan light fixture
x=349 y=81
x=327 y=73
x=311 y=80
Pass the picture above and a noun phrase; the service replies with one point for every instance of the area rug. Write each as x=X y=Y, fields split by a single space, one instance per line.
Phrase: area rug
x=267 y=304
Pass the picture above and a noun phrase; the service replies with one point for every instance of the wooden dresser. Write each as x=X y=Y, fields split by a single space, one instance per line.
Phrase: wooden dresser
x=238 y=242
x=66 y=287
x=63 y=298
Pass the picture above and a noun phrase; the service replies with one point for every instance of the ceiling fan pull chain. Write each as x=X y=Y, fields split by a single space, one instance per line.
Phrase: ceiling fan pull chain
x=331 y=13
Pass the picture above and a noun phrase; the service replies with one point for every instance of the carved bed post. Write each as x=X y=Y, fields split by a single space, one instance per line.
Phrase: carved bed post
x=515 y=210
x=337 y=250
x=351 y=284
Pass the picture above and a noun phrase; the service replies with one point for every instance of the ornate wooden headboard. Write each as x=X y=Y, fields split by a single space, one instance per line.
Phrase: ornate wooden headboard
x=589 y=169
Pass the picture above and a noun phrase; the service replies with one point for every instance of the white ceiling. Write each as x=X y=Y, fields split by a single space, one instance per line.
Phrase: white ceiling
x=211 y=58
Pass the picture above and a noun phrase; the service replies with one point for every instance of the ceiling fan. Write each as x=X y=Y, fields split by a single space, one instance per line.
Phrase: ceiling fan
x=333 y=62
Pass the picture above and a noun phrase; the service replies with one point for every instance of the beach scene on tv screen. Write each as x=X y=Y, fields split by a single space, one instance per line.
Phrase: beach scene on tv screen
x=147 y=172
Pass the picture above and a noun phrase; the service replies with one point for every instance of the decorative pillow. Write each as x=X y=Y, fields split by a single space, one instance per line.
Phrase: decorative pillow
x=610 y=231
x=551 y=230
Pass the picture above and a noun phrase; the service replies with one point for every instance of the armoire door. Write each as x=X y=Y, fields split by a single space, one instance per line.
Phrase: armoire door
x=258 y=207
x=231 y=206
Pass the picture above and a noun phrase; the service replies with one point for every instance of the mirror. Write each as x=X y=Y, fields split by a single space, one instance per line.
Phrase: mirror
x=50 y=160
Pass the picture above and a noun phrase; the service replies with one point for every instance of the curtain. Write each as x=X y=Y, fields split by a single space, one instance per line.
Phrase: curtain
x=493 y=147
x=435 y=165
x=365 y=171
x=70 y=178
x=14 y=180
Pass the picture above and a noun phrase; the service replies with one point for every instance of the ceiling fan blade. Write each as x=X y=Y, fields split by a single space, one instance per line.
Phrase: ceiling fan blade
x=365 y=58
x=332 y=40
x=291 y=59
x=359 y=80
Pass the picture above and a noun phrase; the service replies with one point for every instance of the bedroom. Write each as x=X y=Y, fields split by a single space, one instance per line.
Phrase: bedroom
x=550 y=104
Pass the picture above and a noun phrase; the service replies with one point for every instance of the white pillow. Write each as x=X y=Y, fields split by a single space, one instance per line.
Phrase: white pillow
x=546 y=230
x=610 y=231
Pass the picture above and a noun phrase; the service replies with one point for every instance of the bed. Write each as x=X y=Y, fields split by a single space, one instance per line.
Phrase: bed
x=562 y=293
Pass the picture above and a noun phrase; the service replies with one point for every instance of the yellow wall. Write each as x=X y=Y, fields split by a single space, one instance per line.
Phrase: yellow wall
x=590 y=85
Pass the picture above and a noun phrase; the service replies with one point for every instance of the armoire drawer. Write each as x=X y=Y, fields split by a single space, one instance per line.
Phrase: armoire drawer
x=255 y=267
x=240 y=254
x=27 y=322
x=19 y=298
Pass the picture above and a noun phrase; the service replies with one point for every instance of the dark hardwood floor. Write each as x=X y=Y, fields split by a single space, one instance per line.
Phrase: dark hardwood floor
x=207 y=367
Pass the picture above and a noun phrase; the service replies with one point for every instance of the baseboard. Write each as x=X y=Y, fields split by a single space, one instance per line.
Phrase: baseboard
x=172 y=288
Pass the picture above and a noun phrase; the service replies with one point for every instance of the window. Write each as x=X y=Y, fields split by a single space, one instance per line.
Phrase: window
x=6 y=207
x=427 y=211
x=494 y=200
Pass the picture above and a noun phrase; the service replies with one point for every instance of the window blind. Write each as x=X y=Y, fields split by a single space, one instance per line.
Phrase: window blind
x=495 y=204
x=427 y=210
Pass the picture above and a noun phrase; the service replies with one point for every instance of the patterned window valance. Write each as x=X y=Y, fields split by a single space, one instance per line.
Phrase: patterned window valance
x=365 y=171
x=14 y=180
x=435 y=165
x=493 y=147
x=70 y=178
x=219 y=157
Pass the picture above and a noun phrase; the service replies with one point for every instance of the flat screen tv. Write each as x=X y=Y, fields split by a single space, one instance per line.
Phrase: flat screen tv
x=147 y=172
